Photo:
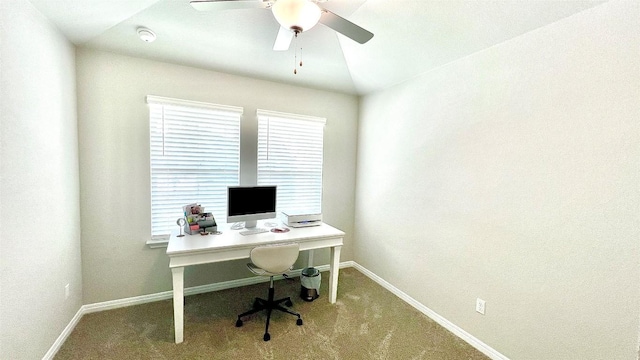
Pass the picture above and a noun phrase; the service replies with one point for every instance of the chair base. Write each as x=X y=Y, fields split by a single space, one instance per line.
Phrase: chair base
x=269 y=305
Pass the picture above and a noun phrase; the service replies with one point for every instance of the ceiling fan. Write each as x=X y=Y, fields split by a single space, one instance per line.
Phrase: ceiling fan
x=294 y=17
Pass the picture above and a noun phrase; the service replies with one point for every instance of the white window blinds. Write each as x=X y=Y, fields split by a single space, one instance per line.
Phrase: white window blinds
x=290 y=154
x=195 y=155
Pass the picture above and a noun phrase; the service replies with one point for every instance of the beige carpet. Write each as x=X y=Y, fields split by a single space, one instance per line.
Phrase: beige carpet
x=367 y=322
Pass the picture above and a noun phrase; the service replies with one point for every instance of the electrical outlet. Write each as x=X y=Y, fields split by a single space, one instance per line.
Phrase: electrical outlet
x=66 y=291
x=480 y=305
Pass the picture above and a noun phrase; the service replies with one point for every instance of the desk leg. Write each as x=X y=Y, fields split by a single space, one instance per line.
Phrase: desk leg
x=310 y=262
x=334 y=268
x=178 y=302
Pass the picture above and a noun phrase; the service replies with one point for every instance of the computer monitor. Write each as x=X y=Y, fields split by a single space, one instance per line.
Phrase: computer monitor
x=250 y=203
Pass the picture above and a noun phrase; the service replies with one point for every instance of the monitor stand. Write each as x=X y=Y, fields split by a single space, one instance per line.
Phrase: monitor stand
x=250 y=224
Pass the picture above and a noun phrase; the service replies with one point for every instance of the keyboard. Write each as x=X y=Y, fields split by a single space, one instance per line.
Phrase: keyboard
x=253 y=231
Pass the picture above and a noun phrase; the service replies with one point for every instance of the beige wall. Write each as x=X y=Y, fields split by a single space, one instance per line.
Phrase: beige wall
x=114 y=164
x=39 y=207
x=512 y=175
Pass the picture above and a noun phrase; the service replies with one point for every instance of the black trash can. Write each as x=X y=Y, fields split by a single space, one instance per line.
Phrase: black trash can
x=310 y=284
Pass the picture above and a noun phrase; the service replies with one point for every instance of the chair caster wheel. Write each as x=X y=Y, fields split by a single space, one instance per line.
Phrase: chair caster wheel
x=299 y=322
x=266 y=337
x=239 y=323
x=288 y=303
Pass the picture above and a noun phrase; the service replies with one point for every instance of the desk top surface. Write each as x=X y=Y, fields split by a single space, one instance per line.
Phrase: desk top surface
x=230 y=239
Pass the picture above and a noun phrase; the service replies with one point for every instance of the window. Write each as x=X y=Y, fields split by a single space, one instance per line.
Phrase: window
x=195 y=155
x=290 y=152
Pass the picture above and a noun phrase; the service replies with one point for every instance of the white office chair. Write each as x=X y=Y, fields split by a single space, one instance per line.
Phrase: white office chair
x=271 y=260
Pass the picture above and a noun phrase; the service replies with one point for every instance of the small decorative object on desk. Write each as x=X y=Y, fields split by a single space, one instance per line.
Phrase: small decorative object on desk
x=181 y=222
x=197 y=220
x=279 y=230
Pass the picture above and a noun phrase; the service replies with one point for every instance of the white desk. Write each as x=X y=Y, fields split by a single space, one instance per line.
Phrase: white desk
x=230 y=245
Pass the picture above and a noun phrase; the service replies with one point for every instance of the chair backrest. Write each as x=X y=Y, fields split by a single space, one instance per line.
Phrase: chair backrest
x=275 y=258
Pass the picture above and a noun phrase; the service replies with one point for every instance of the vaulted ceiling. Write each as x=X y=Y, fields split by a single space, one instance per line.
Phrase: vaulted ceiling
x=411 y=37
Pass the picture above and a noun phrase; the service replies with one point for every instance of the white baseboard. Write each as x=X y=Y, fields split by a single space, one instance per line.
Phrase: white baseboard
x=459 y=332
x=63 y=336
x=137 y=300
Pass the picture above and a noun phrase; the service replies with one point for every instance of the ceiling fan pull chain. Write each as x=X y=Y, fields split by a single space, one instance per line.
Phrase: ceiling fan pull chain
x=295 y=54
x=300 y=49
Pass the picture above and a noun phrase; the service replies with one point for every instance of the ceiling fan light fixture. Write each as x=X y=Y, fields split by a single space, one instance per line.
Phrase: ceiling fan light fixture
x=297 y=15
x=146 y=35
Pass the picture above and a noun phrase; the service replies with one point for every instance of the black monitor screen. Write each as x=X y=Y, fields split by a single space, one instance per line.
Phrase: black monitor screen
x=251 y=200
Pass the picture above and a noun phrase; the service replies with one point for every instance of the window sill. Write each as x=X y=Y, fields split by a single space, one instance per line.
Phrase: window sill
x=158 y=242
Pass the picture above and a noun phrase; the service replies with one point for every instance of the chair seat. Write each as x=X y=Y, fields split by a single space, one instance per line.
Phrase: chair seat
x=260 y=271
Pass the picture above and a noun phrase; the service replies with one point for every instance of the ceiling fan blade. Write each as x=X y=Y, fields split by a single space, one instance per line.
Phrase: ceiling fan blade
x=218 y=5
x=283 y=40
x=345 y=27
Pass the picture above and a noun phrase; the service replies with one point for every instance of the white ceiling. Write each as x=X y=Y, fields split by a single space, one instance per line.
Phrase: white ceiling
x=411 y=37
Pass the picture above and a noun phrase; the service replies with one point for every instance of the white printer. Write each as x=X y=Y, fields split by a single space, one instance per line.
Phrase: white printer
x=296 y=220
